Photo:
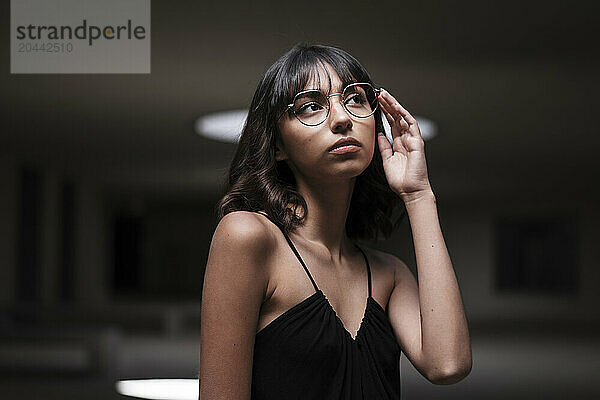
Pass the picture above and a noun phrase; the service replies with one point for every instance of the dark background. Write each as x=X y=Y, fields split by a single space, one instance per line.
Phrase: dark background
x=107 y=192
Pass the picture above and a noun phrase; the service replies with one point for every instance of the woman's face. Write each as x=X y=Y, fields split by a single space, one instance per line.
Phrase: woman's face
x=306 y=148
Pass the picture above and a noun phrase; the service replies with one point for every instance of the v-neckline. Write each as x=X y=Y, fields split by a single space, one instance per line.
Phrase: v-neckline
x=318 y=290
x=341 y=323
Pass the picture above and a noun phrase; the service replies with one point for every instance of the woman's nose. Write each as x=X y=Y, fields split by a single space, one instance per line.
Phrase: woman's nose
x=340 y=119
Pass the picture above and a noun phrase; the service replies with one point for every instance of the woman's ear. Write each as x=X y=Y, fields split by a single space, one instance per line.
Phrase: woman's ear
x=279 y=153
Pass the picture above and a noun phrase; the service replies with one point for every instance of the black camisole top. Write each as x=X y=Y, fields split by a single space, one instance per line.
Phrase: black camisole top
x=307 y=353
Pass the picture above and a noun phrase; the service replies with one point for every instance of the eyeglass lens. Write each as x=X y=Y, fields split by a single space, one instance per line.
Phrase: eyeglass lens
x=312 y=107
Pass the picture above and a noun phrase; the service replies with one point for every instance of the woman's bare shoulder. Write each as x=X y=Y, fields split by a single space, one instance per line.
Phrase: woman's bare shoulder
x=245 y=223
x=382 y=258
x=384 y=261
x=245 y=229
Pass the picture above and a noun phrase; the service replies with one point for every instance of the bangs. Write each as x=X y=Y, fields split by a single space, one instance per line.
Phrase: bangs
x=301 y=66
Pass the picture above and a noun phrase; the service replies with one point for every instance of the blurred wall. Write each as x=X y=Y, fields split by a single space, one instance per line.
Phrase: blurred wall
x=176 y=237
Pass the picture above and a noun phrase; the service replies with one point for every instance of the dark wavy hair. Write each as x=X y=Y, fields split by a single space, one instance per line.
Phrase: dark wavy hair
x=256 y=181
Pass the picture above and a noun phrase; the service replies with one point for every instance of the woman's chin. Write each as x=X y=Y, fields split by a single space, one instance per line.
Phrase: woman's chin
x=348 y=172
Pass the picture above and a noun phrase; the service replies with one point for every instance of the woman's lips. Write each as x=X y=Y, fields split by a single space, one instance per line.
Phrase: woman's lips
x=348 y=148
x=345 y=141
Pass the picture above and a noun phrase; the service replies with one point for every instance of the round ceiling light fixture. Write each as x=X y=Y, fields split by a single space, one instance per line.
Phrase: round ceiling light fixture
x=159 y=389
x=227 y=126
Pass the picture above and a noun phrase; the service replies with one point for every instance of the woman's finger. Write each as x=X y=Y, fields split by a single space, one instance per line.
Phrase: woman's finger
x=405 y=114
x=385 y=148
x=398 y=120
x=404 y=126
x=388 y=116
x=397 y=108
x=409 y=124
x=385 y=108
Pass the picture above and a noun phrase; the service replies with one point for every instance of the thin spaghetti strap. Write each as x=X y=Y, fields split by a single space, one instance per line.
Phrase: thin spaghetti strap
x=301 y=261
x=294 y=250
x=368 y=267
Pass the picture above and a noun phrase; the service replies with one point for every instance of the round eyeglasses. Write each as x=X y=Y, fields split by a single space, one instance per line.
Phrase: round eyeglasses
x=311 y=107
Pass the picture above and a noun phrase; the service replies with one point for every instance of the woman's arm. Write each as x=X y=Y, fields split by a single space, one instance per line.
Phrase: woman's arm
x=234 y=287
x=428 y=318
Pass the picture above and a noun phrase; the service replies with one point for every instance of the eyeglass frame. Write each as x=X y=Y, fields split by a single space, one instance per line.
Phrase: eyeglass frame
x=375 y=90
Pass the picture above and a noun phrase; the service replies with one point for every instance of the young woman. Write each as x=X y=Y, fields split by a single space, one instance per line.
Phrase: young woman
x=292 y=306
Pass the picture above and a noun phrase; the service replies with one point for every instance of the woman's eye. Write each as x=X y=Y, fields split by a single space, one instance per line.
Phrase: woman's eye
x=355 y=98
x=309 y=108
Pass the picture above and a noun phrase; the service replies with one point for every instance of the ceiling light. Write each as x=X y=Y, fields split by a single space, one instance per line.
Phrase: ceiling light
x=227 y=126
x=223 y=126
x=159 y=389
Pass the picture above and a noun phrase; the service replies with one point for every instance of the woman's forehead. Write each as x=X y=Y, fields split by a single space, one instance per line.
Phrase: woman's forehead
x=324 y=78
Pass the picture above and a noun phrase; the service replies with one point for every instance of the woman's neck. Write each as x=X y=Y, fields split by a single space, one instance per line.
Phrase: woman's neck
x=325 y=221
